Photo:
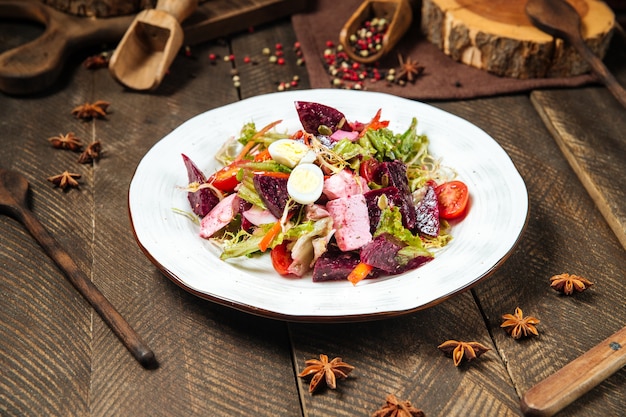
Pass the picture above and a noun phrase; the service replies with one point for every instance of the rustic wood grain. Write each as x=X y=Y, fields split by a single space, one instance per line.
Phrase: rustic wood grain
x=498 y=37
x=218 y=356
x=58 y=358
x=400 y=356
x=45 y=324
x=592 y=139
x=254 y=76
x=565 y=233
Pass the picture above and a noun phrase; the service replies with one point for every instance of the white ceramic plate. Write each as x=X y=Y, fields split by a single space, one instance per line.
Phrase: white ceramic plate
x=482 y=241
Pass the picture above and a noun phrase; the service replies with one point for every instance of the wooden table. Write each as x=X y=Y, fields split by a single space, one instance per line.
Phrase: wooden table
x=58 y=358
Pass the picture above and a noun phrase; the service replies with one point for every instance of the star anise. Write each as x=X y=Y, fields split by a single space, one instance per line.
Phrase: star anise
x=396 y=408
x=65 y=179
x=69 y=141
x=323 y=370
x=409 y=69
x=568 y=284
x=460 y=350
x=517 y=325
x=91 y=153
x=89 y=111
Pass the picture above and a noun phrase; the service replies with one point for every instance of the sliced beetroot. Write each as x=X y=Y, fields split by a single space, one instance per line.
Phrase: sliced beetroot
x=313 y=115
x=203 y=200
x=273 y=193
x=245 y=223
x=335 y=265
x=427 y=211
x=381 y=253
x=393 y=174
x=395 y=198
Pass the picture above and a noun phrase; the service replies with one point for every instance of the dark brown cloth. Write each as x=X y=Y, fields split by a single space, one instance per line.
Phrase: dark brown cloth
x=442 y=79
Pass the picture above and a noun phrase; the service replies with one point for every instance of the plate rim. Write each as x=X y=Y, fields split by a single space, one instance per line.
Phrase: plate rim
x=375 y=315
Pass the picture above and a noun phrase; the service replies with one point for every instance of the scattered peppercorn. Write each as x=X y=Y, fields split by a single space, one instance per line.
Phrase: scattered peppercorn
x=368 y=38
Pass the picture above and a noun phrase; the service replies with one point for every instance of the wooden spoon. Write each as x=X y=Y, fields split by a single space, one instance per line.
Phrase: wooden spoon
x=13 y=195
x=397 y=12
x=576 y=378
x=558 y=18
x=150 y=44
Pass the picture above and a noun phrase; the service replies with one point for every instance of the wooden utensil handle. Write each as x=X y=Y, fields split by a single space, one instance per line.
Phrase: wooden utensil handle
x=601 y=71
x=576 y=378
x=90 y=292
x=180 y=9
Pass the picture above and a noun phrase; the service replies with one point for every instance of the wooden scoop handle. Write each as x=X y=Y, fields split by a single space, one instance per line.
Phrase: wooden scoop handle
x=181 y=10
x=89 y=291
x=576 y=378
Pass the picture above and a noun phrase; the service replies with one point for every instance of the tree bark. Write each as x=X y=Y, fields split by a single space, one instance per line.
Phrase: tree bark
x=497 y=36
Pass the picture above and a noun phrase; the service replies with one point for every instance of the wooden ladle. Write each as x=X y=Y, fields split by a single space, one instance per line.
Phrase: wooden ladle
x=559 y=19
x=13 y=202
x=397 y=12
x=150 y=44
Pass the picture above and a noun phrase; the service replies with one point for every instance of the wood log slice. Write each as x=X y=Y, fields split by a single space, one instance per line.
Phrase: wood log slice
x=497 y=36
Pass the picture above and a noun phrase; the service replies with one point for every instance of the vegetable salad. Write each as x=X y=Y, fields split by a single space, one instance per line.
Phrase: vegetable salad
x=339 y=199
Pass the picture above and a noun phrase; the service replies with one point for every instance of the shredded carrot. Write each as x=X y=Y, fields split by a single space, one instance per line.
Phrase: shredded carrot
x=359 y=272
x=271 y=234
x=251 y=143
x=274 y=174
x=262 y=156
x=265 y=129
x=245 y=150
x=375 y=123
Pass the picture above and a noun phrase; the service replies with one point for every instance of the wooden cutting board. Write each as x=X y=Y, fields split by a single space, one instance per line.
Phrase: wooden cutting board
x=496 y=35
x=35 y=66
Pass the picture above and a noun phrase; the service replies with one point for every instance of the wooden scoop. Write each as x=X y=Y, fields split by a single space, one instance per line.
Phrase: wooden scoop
x=150 y=44
x=13 y=196
x=558 y=18
x=397 y=12
x=577 y=377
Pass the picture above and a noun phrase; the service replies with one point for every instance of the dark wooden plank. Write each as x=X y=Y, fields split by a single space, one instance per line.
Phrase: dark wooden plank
x=211 y=357
x=565 y=233
x=261 y=76
x=592 y=138
x=45 y=325
x=216 y=18
x=400 y=356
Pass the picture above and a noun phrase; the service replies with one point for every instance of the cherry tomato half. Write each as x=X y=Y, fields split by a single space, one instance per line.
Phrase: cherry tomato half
x=226 y=178
x=281 y=258
x=368 y=168
x=452 y=197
